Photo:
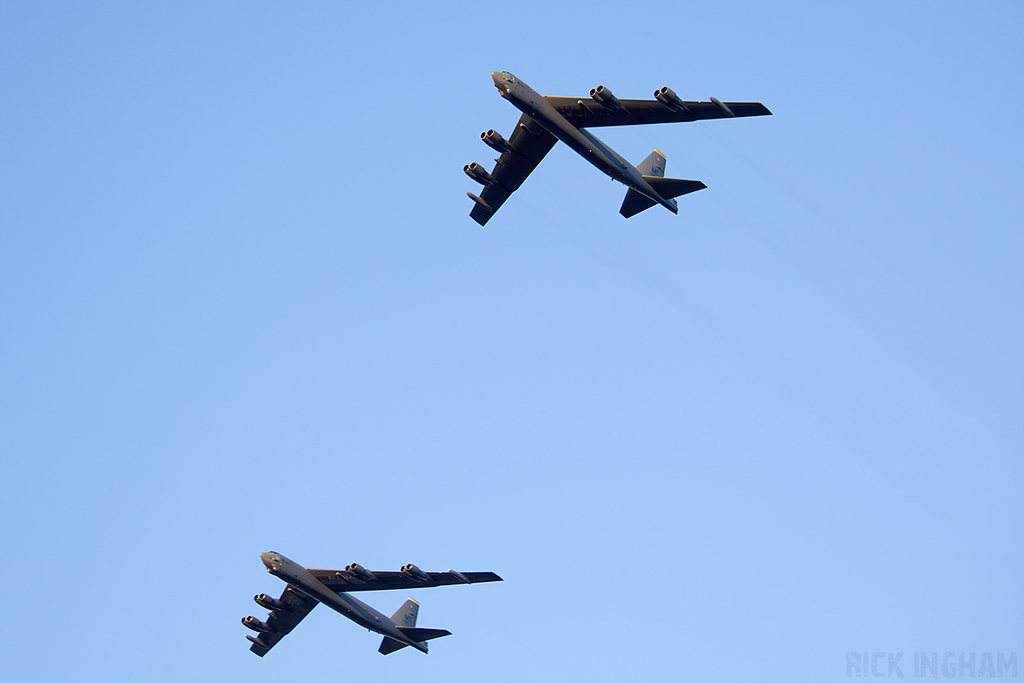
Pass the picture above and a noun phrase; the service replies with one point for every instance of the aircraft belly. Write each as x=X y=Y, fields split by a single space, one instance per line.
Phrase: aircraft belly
x=359 y=612
x=605 y=158
x=581 y=142
x=367 y=617
x=347 y=605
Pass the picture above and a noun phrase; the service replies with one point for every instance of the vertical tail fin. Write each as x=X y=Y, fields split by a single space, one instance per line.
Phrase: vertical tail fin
x=407 y=613
x=653 y=165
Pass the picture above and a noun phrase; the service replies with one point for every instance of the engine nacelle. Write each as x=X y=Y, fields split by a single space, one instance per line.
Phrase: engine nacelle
x=357 y=570
x=415 y=573
x=605 y=98
x=256 y=625
x=495 y=141
x=669 y=99
x=477 y=173
x=272 y=604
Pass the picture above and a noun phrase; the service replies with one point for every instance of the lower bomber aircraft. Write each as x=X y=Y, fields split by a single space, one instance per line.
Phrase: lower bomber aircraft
x=546 y=120
x=307 y=587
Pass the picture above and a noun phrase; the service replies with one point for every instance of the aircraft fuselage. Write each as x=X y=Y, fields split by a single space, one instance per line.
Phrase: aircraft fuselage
x=343 y=603
x=582 y=141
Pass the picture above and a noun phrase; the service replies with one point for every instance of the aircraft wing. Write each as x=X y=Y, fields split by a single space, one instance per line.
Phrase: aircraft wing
x=283 y=621
x=526 y=148
x=344 y=581
x=585 y=112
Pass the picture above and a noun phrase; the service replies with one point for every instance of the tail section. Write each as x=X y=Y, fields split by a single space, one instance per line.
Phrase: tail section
x=653 y=170
x=405 y=620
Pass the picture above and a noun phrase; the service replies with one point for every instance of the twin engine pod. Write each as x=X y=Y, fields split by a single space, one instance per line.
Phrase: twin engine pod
x=257 y=625
x=415 y=573
x=605 y=98
x=364 y=574
x=272 y=604
x=667 y=97
x=477 y=173
x=495 y=141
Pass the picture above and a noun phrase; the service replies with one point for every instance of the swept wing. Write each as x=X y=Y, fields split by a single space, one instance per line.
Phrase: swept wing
x=525 y=148
x=282 y=621
x=585 y=112
x=346 y=581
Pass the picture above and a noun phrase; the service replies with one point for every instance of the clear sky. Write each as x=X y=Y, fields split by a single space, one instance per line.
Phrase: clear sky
x=244 y=308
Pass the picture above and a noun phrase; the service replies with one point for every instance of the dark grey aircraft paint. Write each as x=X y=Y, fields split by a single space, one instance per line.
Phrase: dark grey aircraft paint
x=308 y=587
x=546 y=120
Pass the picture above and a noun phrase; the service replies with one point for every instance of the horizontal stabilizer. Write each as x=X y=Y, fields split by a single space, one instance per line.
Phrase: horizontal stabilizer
x=422 y=634
x=670 y=187
x=635 y=202
x=389 y=645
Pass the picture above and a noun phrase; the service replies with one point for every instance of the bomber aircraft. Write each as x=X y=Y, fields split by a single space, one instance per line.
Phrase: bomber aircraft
x=307 y=587
x=546 y=120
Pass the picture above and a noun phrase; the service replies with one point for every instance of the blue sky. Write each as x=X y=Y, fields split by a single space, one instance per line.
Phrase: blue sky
x=244 y=308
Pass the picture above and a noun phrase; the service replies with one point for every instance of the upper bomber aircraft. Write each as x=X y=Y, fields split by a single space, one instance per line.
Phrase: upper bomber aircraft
x=546 y=120
x=307 y=587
